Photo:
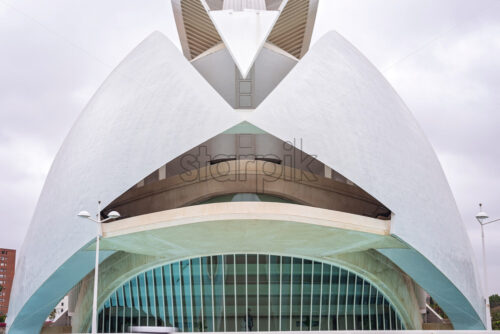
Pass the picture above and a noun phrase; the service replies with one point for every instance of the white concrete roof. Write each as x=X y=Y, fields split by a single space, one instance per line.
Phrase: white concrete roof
x=147 y=112
x=155 y=106
x=347 y=114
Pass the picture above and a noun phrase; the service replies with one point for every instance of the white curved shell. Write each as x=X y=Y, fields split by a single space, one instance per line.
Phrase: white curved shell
x=155 y=106
x=347 y=114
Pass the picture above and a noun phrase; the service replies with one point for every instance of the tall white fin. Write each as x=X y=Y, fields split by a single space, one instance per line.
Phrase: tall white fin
x=244 y=33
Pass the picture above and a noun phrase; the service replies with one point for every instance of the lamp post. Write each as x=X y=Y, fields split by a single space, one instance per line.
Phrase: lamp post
x=481 y=218
x=98 y=221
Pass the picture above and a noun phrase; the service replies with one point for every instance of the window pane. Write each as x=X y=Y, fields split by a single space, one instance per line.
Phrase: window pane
x=230 y=295
x=206 y=265
x=197 y=298
x=169 y=290
x=176 y=283
x=296 y=293
x=263 y=293
x=151 y=298
x=217 y=267
x=275 y=292
x=325 y=296
x=316 y=298
x=252 y=291
x=186 y=296
x=286 y=273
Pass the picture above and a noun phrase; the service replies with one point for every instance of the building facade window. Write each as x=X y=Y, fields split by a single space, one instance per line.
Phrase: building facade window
x=248 y=292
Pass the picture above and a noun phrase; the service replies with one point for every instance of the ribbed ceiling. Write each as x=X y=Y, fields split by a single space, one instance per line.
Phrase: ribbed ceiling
x=288 y=33
x=200 y=32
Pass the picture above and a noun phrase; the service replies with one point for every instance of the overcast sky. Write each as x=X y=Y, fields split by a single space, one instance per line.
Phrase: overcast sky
x=443 y=57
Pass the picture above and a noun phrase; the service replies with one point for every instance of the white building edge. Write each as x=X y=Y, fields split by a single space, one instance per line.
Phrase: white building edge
x=160 y=105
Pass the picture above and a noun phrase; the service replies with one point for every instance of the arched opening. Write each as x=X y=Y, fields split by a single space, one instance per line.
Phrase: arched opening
x=248 y=292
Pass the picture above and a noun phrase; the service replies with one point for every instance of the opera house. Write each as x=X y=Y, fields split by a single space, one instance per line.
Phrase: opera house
x=262 y=185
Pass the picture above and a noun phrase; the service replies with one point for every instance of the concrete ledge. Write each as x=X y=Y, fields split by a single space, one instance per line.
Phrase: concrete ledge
x=247 y=211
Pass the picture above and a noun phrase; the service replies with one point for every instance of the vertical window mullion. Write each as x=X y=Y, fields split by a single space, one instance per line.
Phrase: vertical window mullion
x=155 y=299
x=383 y=311
x=395 y=319
x=181 y=289
x=291 y=292
x=269 y=294
x=131 y=302
x=330 y=298
x=370 y=307
x=109 y=316
x=338 y=299
x=202 y=298
x=301 y=294
x=124 y=308
x=281 y=283
x=191 y=293
x=146 y=297
x=170 y=269
x=346 y=299
x=139 y=302
x=246 y=292
x=235 y=297
x=390 y=315
x=164 y=295
x=362 y=305
x=376 y=310
x=258 y=293
x=212 y=276
x=321 y=297
x=103 y=322
x=311 y=296
x=224 y=290
x=354 y=302
x=116 y=312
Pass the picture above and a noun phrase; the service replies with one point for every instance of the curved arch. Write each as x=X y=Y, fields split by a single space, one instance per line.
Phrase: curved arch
x=187 y=281
x=151 y=90
x=114 y=276
x=246 y=176
x=276 y=228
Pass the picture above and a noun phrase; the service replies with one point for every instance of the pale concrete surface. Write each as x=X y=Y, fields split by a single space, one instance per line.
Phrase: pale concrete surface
x=250 y=211
x=148 y=108
x=353 y=120
x=219 y=70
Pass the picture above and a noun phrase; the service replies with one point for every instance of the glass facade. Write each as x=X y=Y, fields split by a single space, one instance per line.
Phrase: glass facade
x=248 y=292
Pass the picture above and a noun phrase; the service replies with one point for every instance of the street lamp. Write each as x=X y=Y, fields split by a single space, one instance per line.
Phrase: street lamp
x=98 y=221
x=481 y=218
